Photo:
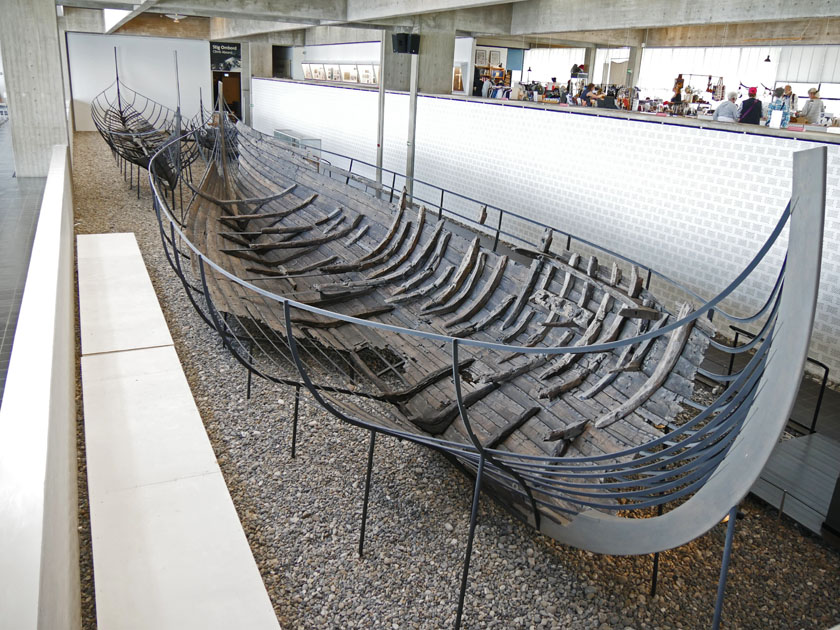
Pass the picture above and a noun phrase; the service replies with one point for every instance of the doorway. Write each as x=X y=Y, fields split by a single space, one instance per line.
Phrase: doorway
x=231 y=90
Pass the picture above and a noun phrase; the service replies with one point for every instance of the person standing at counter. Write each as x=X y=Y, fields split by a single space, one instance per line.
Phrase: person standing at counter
x=750 y=113
x=486 y=86
x=779 y=104
x=813 y=108
x=727 y=111
x=791 y=98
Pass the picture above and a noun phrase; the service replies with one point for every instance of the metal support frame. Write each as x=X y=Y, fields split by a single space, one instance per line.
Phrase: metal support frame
x=295 y=420
x=380 y=121
x=654 y=578
x=823 y=383
x=412 y=127
x=470 y=538
x=724 y=566
x=647 y=535
x=367 y=492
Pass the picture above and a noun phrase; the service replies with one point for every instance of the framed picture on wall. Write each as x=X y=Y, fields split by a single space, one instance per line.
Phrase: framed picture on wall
x=307 y=71
x=366 y=75
x=376 y=74
x=349 y=74
x=318 y=72
x=480 y=57
x=495 y=58
x=333 y=72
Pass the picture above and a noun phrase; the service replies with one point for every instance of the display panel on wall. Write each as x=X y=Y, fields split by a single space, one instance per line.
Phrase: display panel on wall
x=225 y=57
x=366 y=74
x=481 y=57
x=333 y=72
x=345 y=73
x=349 y=73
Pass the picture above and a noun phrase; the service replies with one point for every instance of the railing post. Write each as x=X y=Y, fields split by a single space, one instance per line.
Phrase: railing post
x=498 y=230
x=440 y=206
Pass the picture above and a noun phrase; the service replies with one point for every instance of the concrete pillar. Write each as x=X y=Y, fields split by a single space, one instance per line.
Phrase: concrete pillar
x=589 y=62
x=634 y=65
x=32 y=63
x=397 y=66
x=245 y=74
x=437 y=53
x=261 y=62
x=79 y=21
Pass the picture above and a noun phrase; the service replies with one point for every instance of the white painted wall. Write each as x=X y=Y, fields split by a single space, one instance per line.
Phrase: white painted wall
x=552 y=62
x=2 y=81
x=361 y=52
x=465 y=57
x=147 y=66
x=693 y=203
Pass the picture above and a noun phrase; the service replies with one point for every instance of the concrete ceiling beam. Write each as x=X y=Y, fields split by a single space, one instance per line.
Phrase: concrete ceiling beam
x=140 y=8
x=302 y=11
x=368 y=10
x=547 y=16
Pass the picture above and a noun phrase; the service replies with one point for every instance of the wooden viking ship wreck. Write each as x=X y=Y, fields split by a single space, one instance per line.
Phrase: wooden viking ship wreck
x=136 y=127
x=555 y=377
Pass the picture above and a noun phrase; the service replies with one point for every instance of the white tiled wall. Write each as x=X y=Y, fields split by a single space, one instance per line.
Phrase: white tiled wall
x=695 y=204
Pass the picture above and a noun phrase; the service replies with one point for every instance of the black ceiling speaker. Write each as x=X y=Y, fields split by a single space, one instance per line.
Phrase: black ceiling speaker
x=414 y=44
x=400 y=42
x=406 y=43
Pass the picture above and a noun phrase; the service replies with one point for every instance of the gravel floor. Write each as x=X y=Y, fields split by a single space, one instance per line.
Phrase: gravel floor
x=302 y=515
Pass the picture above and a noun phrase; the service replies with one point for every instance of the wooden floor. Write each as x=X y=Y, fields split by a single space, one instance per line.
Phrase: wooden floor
x=800 y=477
x=802 y=472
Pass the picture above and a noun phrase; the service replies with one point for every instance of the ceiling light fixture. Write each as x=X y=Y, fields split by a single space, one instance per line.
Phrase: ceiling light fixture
x=175 y=17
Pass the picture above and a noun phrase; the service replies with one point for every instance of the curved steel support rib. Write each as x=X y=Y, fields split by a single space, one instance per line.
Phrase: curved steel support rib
x=768 y=414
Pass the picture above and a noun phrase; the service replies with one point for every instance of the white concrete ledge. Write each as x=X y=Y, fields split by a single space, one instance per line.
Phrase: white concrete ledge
x=39 y=544
x=169 y=551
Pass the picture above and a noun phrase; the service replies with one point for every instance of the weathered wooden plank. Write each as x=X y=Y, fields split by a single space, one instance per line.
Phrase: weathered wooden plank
x=524 y=294
x=483 y=297
x=504 y=433
x=463 y=295
x=460 y=276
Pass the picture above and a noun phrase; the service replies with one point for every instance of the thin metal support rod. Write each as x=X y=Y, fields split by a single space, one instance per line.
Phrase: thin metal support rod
x=470 y=538
x=295 y=420
x=498 y=230
x=380 y=120
x=440 y=205
x=393 y=183
x=724 y=566
x=367 y=492
x=654 y=578
x=732 y=356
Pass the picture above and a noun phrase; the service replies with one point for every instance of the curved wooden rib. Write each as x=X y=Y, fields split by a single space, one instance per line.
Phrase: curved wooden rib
x=657 y=379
